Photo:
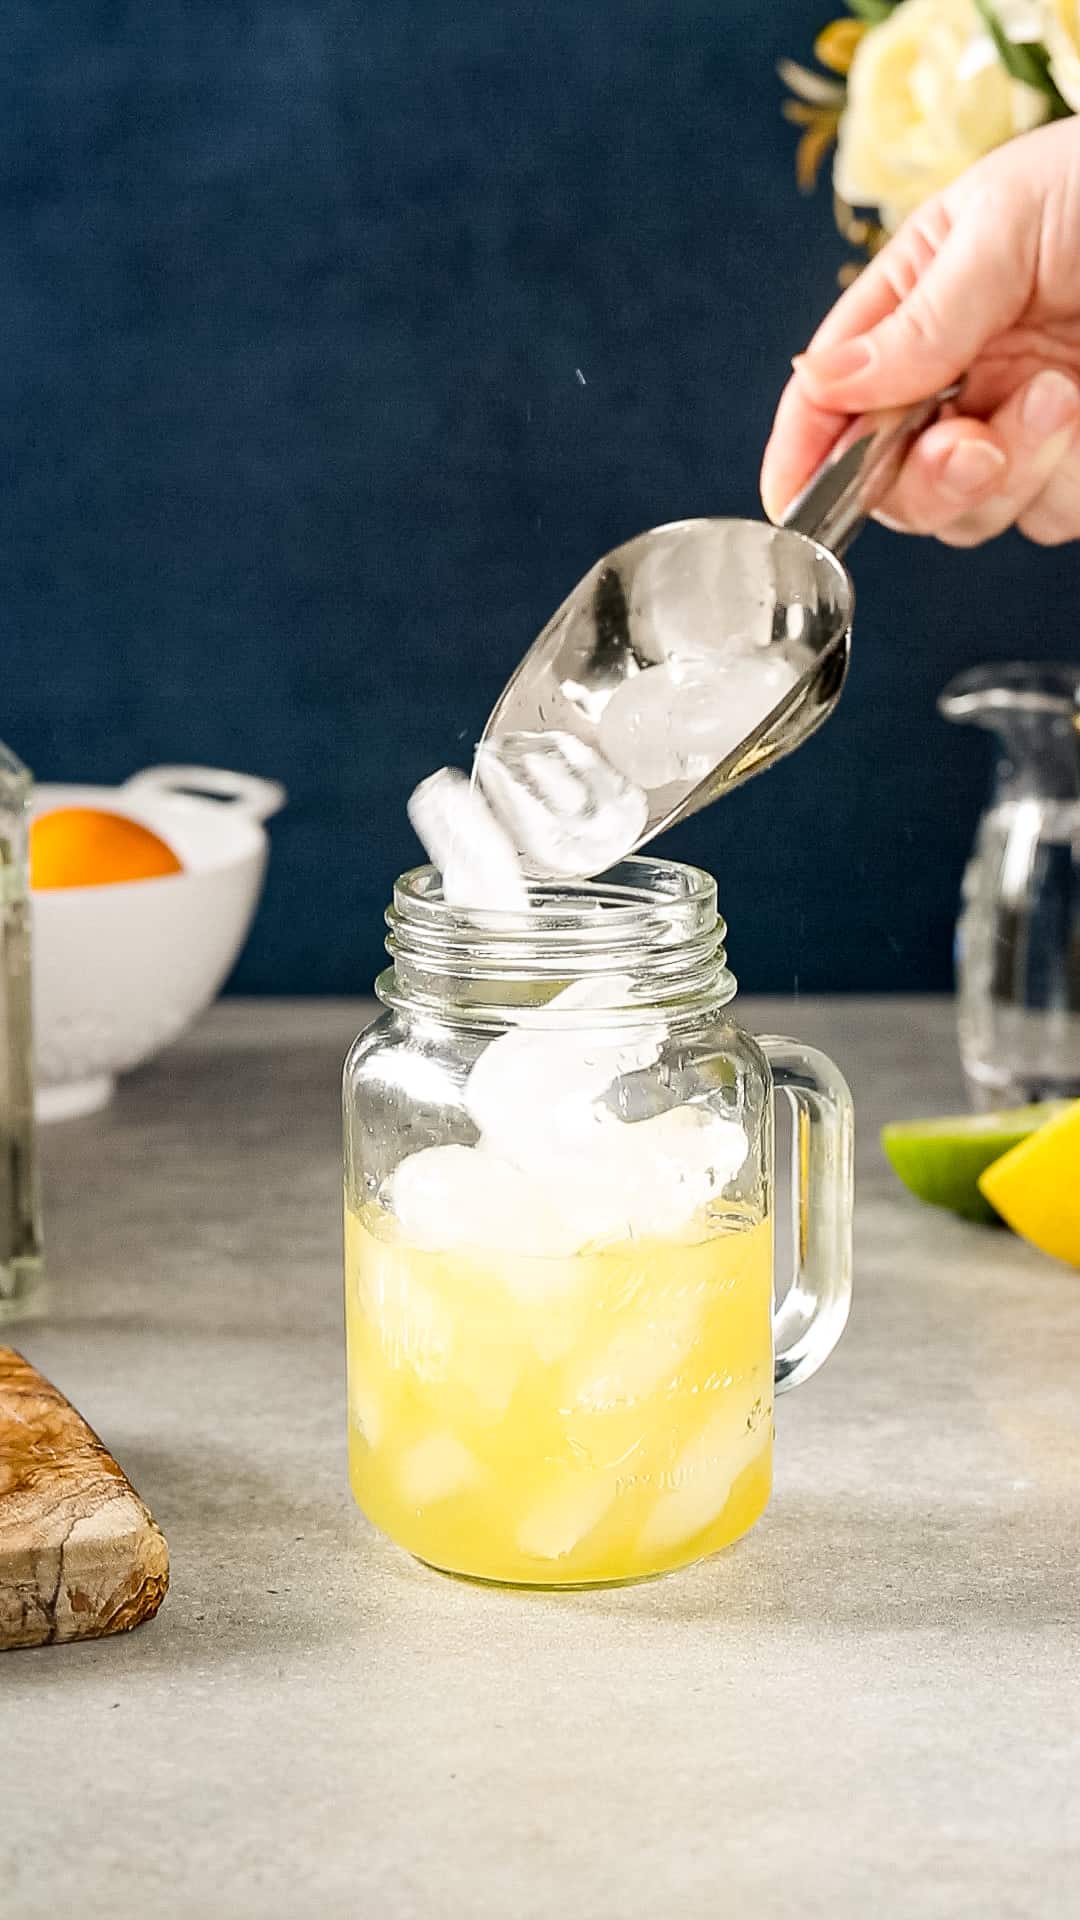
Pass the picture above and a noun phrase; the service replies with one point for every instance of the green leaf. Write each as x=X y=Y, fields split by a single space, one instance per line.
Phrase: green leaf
x=873 y=10
x=1023 y=60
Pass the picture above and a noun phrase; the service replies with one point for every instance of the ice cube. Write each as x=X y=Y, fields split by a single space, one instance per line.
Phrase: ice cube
x=635 y=1044
x=489 y=1354
x=733 y=697
x=635 y=729
x=554 y=1332
x=556 y=1169
x=413 y=1325
x=365 y=1407
x=489 y=1370
x=415 y=1328
x=538 y=1283
x=548 y=1300
x=679 y=720
x=681 y=594
x=684 y=1158
x=537 y=1097
x=698 y=590
x=564 y=807
x=436 y=1467
x=704 y=1475
x=646 y=1353
x=596 y=1193
x=455 y=1196
x=699 y=1143
x=647 y=1179
x=554 y=1148
x=530 y=1088
x=465 y=842
x=560 y=1519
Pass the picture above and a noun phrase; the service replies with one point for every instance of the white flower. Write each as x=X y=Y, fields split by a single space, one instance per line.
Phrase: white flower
x=1023 y=20
x=1062 y=36
x=927 y=96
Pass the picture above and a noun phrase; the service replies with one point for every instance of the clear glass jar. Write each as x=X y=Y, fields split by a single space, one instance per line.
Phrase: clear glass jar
x=20 y=1224
x=559 y=1234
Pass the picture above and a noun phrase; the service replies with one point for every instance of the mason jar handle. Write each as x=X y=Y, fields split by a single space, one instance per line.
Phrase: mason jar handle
x=813 y=1312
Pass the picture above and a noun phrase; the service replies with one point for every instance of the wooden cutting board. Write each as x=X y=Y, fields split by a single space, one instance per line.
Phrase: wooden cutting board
x=80 y=1555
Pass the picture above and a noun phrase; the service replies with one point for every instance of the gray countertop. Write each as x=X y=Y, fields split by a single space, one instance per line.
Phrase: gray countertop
x=870 y=1706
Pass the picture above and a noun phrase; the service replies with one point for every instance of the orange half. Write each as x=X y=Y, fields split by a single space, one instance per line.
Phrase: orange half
x=87 y=847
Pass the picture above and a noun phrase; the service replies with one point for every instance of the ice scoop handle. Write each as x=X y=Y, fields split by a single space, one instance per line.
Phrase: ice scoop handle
x=858 y=471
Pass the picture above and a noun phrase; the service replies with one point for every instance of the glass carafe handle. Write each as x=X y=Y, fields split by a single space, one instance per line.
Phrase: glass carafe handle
x=813 y=1312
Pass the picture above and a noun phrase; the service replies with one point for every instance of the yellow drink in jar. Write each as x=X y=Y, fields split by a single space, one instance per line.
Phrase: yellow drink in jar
x=557 y=1421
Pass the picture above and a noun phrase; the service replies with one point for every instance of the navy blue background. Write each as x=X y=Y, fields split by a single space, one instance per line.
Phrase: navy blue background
x=298 y=459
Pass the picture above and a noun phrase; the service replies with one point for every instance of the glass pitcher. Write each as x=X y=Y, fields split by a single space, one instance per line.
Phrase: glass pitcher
x=562 y=1344
x=1018 y=934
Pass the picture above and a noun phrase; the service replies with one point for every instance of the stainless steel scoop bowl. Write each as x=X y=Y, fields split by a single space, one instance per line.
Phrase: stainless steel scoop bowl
x=728 y=587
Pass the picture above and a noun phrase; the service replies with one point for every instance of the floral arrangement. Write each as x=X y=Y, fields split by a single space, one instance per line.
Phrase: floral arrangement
x=914 y=91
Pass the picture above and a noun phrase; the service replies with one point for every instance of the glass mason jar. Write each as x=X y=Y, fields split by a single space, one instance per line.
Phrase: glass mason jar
x=20 y=1224
x=562 y=1345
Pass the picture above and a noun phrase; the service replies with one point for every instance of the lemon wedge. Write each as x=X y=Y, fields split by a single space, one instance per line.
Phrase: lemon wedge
x=1036 y=1187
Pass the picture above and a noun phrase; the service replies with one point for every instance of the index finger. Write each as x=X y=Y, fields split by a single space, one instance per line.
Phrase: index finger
x=803 y=432
x=802 y=435
x=870 y=298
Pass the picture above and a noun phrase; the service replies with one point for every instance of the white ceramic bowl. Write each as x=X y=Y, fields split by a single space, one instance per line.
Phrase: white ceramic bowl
x=121 y=970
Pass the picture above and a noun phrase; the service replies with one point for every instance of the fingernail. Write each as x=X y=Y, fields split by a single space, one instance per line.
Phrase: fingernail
x=971 y=467
x=1050 y=403
x=836 y=363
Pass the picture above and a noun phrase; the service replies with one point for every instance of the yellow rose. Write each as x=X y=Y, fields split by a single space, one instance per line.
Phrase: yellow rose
x=927 y=95
x=1063 y=45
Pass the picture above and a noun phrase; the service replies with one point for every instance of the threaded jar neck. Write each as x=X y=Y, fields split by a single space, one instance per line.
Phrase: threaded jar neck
x=646 y=936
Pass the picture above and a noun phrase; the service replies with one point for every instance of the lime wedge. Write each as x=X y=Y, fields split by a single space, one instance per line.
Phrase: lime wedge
x=941 y=1160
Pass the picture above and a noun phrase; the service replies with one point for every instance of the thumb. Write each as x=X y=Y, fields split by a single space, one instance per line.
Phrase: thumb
x=957 y=296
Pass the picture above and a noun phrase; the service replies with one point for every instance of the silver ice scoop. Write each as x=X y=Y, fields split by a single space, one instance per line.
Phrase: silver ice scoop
x=750 y=627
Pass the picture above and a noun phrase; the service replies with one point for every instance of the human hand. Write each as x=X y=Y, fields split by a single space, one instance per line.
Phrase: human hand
x=982 y=281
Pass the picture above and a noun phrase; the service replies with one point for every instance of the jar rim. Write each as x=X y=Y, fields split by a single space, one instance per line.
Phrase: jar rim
x=629 y=895
x=649 y=926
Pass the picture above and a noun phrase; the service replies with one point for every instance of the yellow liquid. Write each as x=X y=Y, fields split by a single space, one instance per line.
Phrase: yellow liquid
x=554 y=1422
